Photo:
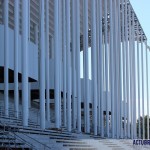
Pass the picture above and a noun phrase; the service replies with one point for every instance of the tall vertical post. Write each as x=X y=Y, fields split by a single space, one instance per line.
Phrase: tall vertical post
x=64 y=64
x=78 y=64
x=16 y=29
x=147 y=79
x=56 y=63
x=112 y=70
x=6 y=57
x=42 y=66
x=101 y=70
x=138 y=81
x=127 y=67
x=94 y=66
x=47 y=63
x=73 y=66
x=143 y=87
x=25 y=62
x=106 y=69
x=68 y=65
x=85 y=50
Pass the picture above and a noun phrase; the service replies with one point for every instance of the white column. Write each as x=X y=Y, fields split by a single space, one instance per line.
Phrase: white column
x=94 y=66
x=127 y=67
x=147 y=80
x=143 y=88
x=16 y=31
x=25 y=62
x=138 y=81
x=56 y=64
x=64 y=65
x=73 y=66
x=85 y=50
x=47 y=63
x=106 y=68
x=134 y=80
x=101 y=71
x=6 y=57
x=68 y=65
x=78 y=64
x=42 y=66
x=120 y=71
x=112 y=70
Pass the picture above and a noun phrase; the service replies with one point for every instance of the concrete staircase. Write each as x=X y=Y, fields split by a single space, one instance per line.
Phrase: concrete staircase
x=14 y=136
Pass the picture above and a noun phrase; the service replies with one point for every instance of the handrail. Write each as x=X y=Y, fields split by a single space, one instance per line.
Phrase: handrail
x=15 y=135
x=37 y=141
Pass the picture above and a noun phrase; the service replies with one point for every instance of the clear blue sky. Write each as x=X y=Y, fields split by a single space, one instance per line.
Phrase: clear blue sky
x=142 y=10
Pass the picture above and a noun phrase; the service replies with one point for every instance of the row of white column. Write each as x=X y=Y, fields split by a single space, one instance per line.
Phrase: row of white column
x=115 y=68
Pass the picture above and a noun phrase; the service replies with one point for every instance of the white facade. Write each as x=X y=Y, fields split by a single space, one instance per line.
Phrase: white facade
x=40 y=50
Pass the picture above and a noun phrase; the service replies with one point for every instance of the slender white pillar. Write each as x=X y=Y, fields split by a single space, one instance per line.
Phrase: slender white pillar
x=16 y=31
x=42 y=66
x=56 y=63
x=25 y=62
x=127 y=67
x=147 y=79
x=101 y=71
x=47 y=63
x=134 y=79
x=138 y=81
x=78 y=64
x=64 y=65
x=85 y=50
x=73 y=66
x=112 y=70
x=6 y=57
x=143 y=87
x=94 y=66
x=68 y=65
x=120 y=71
x=106 y=67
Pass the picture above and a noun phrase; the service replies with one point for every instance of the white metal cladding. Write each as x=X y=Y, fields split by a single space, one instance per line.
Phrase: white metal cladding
x=44 y=39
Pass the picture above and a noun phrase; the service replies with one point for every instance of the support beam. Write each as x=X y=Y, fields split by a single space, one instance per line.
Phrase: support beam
x=25 y=43
x=68 y=65
x=86 y=73
x=6 y=58
x=56 y=63
x=78 y=64
x=94 y=66
x=47 y=63
x=16 y=36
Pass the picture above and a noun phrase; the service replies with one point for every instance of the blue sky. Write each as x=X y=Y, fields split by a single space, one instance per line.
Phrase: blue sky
x=142 y=10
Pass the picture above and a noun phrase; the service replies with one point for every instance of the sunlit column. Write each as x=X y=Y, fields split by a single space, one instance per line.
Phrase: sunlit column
x=25 y=62
x=147 y=79
x=64 y=63
x=42 y=67
x=120 y=70
x=78 y=64
x=86 y=74
x=16 y=32
x=112 y=70
x=6 y=57
x=143 y=87
x=94 y=66
x=138 y=81
x=56 y=63
x=47 y=63
x=73 y=65
x=106 y=67
x=134 y=79
x=127 y=68
x=68 y=65
x=101 y=70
